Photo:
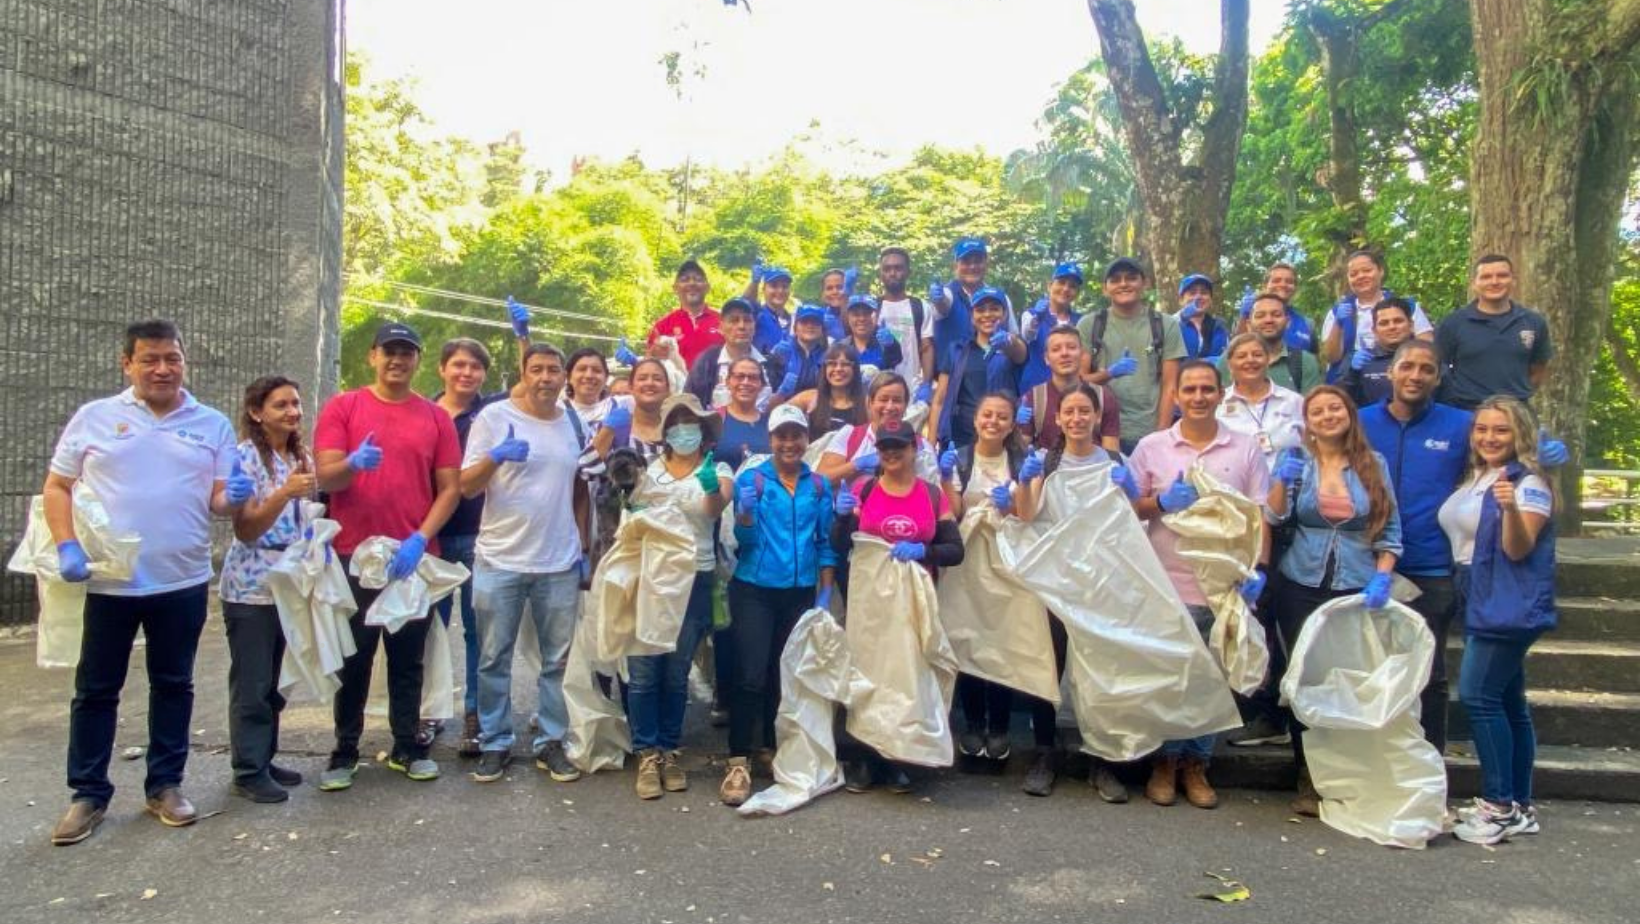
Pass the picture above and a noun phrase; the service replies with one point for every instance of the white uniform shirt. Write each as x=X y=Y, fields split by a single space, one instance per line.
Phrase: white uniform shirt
x=1276 y=422
x=1460 y=516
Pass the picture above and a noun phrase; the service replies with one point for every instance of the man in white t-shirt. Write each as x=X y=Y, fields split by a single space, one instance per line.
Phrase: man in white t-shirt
x=162 y=464
x=906 y=317
x=522 y=454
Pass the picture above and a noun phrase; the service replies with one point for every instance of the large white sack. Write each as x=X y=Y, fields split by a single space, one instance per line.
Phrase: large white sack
x=597 y=736
x=314 y=601
x=1354 y=678
x=640 y=589
x=997 y=627
x=111 y=555
x=410 y=597
x=900 y=699
x=1221 y=536
x=1140 y=674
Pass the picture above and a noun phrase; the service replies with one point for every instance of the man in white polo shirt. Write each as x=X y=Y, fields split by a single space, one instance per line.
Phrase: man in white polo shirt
x=161 y=463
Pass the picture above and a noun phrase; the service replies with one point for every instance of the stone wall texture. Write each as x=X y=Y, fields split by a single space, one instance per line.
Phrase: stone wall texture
x=177 y=159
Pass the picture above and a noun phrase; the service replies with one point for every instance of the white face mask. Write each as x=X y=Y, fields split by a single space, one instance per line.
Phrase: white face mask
x=683 y=438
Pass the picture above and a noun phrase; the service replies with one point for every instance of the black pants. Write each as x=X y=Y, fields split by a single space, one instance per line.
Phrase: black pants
x=1266 y=700
x=256 y=645
x=985 y=705
x=171 y=623
x=404 y=655
x=1294 y=604
x=1436 y=605
x=1044 y=714
x=761 y=621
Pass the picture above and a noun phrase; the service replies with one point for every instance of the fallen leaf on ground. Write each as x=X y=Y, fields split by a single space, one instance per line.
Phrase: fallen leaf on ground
x=149 y=893
x=1232 y=890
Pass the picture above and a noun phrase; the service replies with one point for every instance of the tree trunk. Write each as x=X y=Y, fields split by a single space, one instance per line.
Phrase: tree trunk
x=1185 y=203
x=1553 y=152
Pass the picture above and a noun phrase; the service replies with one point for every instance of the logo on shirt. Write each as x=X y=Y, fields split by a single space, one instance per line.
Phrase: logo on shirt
x=1438 y=445
x=1535 y=496
x=898 y=526
x=123 y=431
x=1527 y=338
x=191 y=436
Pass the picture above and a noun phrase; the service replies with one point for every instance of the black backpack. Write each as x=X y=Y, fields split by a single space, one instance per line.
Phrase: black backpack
x=1096 y=336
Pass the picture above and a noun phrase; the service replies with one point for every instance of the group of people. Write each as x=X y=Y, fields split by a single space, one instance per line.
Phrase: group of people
x=1373 y=450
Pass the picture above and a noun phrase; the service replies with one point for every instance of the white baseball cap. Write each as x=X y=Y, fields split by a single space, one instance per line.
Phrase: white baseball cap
x=787 y=414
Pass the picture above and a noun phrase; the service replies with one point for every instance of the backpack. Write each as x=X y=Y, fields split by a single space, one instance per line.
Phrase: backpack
x=1295 y=369
x=1096 y=335
x=1210 y=326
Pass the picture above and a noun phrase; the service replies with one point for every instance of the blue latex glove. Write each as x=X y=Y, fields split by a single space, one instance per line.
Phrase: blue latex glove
x=948 y=461
x=584 y=569
x=1290 y=467
x=846 y=503
x=746 y=498
x=1123 y=478
x=782 y=352
x=1002 y=498
x=619 y=422
x=707 y=475
x=822 y=600
x=885 y=337
x=1041 y=309
x=239 y=487
x=407 y=557
x=1253 y=586
x=757 y=270
x=1551 y=452
x=924 y=394
x=1033 y=466
x=1124 y=366
x=1247 y=299
x=1360 y=358
x=1190 y=309
x=511 y=449
x=520 y=318
x=1024 y=416
x=866 y=463
x=999 y=339
x=1179 y=495
x=908 y=551
x=788 y=385
x=71 y=561
x=936 y=292
x=850 y=277
x=1344 y=310
x=1376 y=594
x=624 y=354
x=367 y=457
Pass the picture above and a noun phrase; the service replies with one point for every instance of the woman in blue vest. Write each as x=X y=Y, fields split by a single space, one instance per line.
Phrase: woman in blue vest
x=986 y=363
x=1500 y=522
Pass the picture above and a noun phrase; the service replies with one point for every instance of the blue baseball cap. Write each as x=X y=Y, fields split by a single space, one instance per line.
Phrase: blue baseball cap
x=988 y=294
x=862 y=301
x=966 y=246
x=1192 y=279
x=771 y=273
x=1069 y=271
x=809 y=313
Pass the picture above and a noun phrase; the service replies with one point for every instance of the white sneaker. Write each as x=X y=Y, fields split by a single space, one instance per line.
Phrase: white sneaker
x=1488 y=824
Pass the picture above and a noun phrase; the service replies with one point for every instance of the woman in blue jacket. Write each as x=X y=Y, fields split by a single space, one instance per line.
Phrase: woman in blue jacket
x=1347 y=529
x=1500 y=522
x=783 y=516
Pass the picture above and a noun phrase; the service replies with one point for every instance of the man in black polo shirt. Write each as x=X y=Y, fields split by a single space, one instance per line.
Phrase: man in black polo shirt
x=1493 y=345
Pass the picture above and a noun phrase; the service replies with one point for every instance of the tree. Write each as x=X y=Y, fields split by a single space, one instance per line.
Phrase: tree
x=1553 y=153
x=1184 y=170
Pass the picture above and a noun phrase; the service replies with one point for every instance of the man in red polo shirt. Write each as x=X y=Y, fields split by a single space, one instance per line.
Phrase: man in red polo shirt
x=693 y=325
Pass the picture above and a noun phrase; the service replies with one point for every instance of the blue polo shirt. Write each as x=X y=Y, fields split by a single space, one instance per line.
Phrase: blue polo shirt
x=1426 y=458
x=1490 y=354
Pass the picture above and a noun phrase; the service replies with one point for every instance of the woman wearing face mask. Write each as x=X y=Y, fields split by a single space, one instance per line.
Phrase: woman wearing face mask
x=587 y=389
x=852 y=452
x=1346 y=535
x=987 y=363
x=273 y=455
x=687 y=477
x=840 y=399
x=914 y=517
x=1367 y=379
x=745 y=427
x=1348 y=325
x=1501 y=525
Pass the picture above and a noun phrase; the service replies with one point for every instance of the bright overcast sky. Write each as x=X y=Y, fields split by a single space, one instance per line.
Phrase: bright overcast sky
x=583 y=77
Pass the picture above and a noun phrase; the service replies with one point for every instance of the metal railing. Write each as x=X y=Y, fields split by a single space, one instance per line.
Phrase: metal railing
x=1611 y=501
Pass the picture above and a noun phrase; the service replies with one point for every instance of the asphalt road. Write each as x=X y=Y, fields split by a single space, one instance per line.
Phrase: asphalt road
x=964 y=848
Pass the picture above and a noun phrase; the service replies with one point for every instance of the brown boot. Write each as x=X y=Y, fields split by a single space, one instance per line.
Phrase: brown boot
x=172 y=808
x=1197 y=791
x=649 y=774
x=470 y=734
x=78 y=823
x=737 y=782
x=1308 y=801
x=1163 y=787
x=673 y=776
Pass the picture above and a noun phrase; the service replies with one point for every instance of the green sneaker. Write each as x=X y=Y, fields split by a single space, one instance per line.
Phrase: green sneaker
x=338 y=776
x=422 y=769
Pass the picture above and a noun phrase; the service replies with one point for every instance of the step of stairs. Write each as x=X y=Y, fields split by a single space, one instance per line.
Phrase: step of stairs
x=1570 y=717
x=1556 y=663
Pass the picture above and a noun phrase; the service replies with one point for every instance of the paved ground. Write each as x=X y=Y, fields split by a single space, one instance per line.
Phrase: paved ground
x=966 y=848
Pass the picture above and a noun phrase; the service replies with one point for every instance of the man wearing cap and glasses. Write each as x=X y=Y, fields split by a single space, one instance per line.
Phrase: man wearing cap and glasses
x=692 y=324
x=391 y=462
x=1135 y=349
x=1051 y=311
x=162 y=464
x=1204 y=335
x=953 y=313
x=709 y=376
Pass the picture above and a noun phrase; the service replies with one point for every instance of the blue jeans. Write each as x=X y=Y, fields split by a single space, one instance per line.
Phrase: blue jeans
x=499 y=598
x=1492 y=686
x=658 y=685
x=1200 y=747
x=459 y=549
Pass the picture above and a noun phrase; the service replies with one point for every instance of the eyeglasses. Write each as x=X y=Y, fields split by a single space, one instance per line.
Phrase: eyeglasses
x=745 y=377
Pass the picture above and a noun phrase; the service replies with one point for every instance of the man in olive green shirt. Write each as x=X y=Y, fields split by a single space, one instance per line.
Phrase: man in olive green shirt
x=1134 y=349
x=1269 y=323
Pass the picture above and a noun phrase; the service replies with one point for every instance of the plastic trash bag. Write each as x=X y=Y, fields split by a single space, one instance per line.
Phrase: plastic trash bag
x=1140 y=674
x=111 y=555
x=641 y=587
x=407 y=599
x=998 y=628
x=900 y=697
x=815 y=673
x=1221 y=536
x=597 y=736
x=1354 y=678
x=314 y=601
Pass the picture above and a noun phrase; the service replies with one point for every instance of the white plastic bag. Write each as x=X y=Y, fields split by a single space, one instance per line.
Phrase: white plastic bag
x=314 y=601
x=1221 y=536
x=641 y=588
x=998 y=629
x=112 y=556
x=597 y=736
x=1354 y=679
x=815 y=674
x=410 y=598
x=900 y=698
x=1140 y=674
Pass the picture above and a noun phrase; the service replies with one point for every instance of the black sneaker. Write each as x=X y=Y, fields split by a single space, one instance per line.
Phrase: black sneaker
x=1040 y=778
x=427 y=732
x=997 y=746
x=492 y=765
x=259 y=789
x=552 y=759
x=1259 y=731
x=857 y=776
x=284 y=776
x=896 y=780
x=1104 y=782
x=971 y=743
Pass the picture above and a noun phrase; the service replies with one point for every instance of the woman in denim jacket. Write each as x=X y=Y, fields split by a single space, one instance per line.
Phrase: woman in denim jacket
x=1347 y=530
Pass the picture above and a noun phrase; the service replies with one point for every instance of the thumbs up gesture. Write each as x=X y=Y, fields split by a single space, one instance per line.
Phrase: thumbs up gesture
x=1179 y=495
x=367 y=457
x=1503 y=491
x=240 y=487
x=511 y=449
x=1124 y=366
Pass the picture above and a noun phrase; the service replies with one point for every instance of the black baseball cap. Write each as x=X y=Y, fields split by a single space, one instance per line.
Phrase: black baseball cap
x=396 y=332
x=690 y=265
x=739 y=305
x=895 y=434
x=1125 y=263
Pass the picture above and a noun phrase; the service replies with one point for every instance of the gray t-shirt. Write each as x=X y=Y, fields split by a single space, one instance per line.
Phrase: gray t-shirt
x=1139 y=392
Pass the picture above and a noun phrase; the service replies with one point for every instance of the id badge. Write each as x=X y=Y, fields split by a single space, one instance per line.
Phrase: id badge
x=1264 y=443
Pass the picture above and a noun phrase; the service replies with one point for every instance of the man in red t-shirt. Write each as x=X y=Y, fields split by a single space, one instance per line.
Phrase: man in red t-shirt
x=391 y=462
x=693 y=325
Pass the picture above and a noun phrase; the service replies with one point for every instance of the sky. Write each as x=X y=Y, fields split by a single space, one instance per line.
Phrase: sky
x=880 y=78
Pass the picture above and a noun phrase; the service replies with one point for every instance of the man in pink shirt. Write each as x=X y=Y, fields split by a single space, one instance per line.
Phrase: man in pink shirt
x=1158 y=465
x=693 y=325
x=391 y=462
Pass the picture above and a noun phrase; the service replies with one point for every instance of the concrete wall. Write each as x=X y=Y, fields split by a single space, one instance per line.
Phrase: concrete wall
x=161 y=159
